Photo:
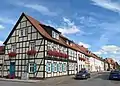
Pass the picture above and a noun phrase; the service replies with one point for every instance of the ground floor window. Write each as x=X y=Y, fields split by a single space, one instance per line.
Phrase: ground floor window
x=55 y=67
x=48 y=67
x=60 y=66
x=64 y=67
x=32 y=67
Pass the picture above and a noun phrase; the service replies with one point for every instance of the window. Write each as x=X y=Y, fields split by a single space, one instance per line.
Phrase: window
x=48 y=67
x=23 y=24
x=64 y=67
x=55 y=35
x=13 y=47
x=60 y=67
x=26 y=31
x=21 y=32
x=67 y=42
x=70 y=44
x=32 y=67
x=55 y=67
x=32 y=45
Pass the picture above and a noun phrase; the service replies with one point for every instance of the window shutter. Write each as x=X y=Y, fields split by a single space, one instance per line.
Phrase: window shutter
x=46 y=67
x=35 y=67
x=52 y=67
x=27 y=68
x=58 y=68
x=62 y=67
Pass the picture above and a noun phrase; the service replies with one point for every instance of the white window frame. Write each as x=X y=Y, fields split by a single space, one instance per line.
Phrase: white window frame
x=31 y=65
x=21 y=32
x=32 y=45
x=49 y=67
x=14 y=47
x=55 y=35
x=55 y=66
x=60 y=67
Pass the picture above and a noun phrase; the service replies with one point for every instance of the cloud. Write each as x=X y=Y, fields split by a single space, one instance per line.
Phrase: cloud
x=40 y=8
x=109 y=51
x=69 y=27
x=1 y=27
x=6 y=20
x=1 y=43
x=107 y=4
x=100 y=52
x=85 y=45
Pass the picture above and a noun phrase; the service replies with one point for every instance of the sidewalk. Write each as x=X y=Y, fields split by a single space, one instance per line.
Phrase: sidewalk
x=19 y=80
x=48 y=80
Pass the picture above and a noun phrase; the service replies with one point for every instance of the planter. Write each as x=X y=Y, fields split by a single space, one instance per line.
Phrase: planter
x=12 y=54
x=50 y=52
x=31 y=52
x=57 y=54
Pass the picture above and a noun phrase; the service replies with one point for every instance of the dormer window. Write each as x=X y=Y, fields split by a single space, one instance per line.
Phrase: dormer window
x=55 y=35
x=70 y=44
x=67 y=42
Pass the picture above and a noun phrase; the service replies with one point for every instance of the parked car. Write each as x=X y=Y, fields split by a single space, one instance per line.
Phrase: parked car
x=83 y=74
x=114 y=75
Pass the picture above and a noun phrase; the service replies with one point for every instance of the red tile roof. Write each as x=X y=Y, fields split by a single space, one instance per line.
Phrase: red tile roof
x=110 y=60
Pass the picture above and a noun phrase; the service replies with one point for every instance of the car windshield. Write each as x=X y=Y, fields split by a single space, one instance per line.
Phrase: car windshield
x=114 y=72
x=83 y=71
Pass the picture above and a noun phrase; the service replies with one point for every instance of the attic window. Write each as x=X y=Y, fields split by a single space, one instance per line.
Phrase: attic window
x=55 y=35
x=70 y=44
x=23 y=32
x=67 y=42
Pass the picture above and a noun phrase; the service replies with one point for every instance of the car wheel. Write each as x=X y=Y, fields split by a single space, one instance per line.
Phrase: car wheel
x=109 y=78
x=86 y=77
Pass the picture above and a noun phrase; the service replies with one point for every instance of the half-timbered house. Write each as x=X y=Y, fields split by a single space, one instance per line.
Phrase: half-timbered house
x=1 y=60
x=35 y=50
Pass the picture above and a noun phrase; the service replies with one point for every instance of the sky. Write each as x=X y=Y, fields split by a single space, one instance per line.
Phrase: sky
x=92 y=23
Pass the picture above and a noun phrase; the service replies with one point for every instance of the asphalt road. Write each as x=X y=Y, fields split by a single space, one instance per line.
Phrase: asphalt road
x=96 y=80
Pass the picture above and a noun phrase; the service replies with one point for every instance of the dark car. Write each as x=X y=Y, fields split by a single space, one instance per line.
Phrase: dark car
x=114 y=75
x=83 y=74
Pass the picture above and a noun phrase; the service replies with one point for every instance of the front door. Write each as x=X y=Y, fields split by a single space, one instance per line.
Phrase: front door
x=12 y=69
